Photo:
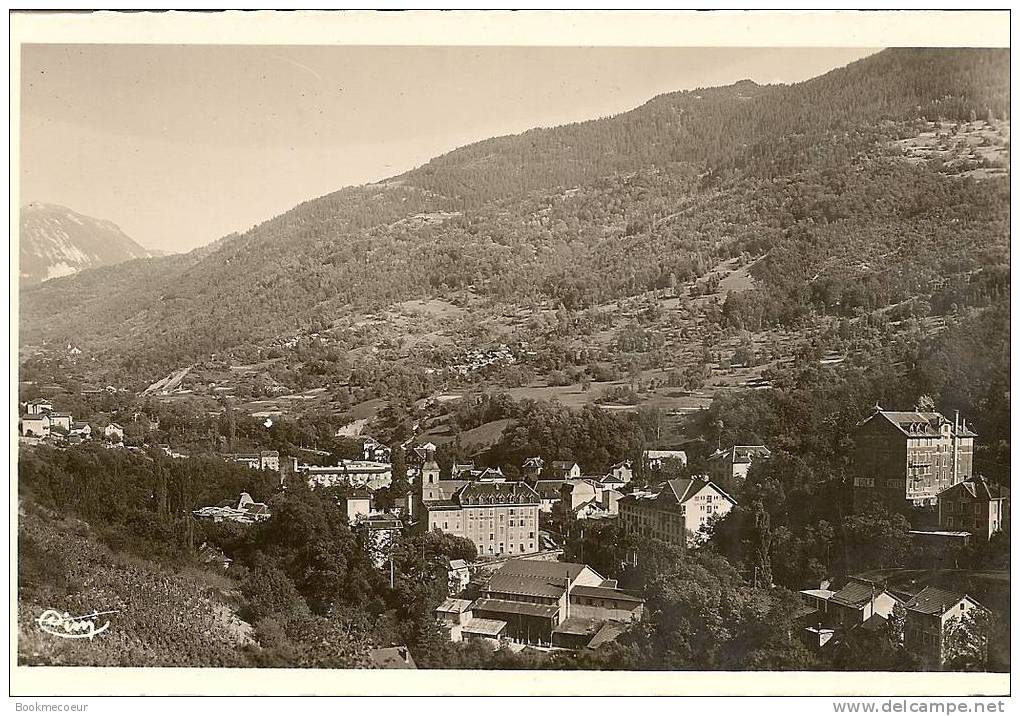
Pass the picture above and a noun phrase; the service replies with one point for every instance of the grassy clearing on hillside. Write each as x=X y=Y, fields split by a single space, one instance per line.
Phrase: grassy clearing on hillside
x=963 y=145
x=162 y=617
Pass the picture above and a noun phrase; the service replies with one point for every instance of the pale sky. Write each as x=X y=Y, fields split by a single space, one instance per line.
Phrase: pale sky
x=180 y=145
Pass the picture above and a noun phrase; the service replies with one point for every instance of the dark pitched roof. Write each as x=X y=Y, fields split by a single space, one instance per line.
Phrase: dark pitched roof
x=497 y=493
x=504 y=606
x=916 y=424
x=803 y=611
x=607 y=633
x=979 y=489
x=542 y=568
x=605 y=593
x=685 y=488
x=874 y=622
x=528 y=586
x=593 y=503
x=484 y=627
x=563 y=464
x=579 y=626
x=682 y=488
x=636 y=498
x=935 y=600
x=454 y=606
x=444 y=491
x=856 y=593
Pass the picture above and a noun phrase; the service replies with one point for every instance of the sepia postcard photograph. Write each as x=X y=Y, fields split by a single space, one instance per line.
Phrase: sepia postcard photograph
x=391 y=347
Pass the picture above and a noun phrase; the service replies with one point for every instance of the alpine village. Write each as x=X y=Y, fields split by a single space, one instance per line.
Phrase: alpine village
x=718 y=383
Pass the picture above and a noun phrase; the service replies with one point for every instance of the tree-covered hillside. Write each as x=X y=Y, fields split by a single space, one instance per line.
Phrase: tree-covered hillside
x=808 y=175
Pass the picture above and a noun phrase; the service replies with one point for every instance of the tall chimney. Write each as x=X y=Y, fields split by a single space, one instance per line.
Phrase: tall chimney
x=956 y=440
x=567 y=606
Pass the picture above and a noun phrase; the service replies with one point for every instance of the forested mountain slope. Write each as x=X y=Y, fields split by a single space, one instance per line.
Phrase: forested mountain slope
x=767 y=129
x=808 y=174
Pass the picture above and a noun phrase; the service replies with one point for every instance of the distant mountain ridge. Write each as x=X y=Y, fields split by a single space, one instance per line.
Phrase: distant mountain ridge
x=55 y=241
x=575 y=215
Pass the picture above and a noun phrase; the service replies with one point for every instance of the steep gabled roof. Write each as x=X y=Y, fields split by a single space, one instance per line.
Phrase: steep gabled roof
x=490 y=473
x=917 y=424
x=685 y=488
x=443 y=491
x=935 y=600
x=979 y=489
x=592 y=503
